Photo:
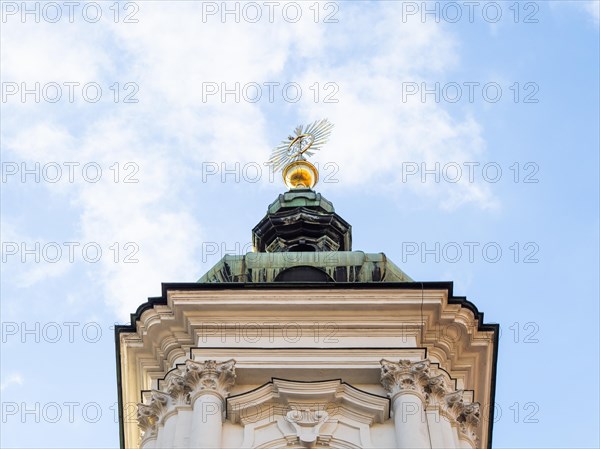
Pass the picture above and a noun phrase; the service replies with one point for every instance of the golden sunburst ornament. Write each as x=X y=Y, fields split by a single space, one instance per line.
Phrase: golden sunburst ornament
x=290 y=155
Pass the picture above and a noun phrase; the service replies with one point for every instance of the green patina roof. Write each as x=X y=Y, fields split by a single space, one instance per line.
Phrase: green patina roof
x=351 y=266
x=303 y=217
x=300 y=198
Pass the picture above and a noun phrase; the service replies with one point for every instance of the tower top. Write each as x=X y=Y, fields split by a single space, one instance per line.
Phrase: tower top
x=302 y=220
x=290 y=155
x=301 y=237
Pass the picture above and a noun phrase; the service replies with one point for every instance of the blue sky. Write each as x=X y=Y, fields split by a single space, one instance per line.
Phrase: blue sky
x=357 y=64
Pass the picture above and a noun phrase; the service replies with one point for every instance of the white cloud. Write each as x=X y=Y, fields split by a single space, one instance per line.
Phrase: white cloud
x=42 y=141
x=58 y=52
x=593 y=8
x=33 y=269
x=376 y=132
x=171 y=131
x=11 y=379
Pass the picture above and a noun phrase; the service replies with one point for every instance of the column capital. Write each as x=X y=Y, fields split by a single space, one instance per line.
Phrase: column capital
x=209 y=377
x=465 y=414
x=149 y=415
x=181 y=387
x=422 y=379
x=178 y=388
x=405 y=375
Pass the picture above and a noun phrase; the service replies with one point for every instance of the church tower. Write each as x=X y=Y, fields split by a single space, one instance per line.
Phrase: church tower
x=305 y=343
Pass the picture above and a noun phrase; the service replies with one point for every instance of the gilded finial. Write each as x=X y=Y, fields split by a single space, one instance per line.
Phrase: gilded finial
x=290 y=155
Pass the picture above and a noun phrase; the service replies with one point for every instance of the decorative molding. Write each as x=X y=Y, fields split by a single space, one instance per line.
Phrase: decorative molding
x=254 y=364
x=308 y=414
x=279 y=396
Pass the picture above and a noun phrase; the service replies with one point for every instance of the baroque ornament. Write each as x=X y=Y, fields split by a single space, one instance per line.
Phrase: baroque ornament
x=210 y=376
x=197 y=378
x=307 y=424
x=149 y=415
x=406 y=375
x=290 y=155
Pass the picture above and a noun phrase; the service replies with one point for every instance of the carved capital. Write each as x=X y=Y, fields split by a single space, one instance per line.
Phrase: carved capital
x=178 y=389
x=404 y=375
x=210 y=376
x=465 y=414
x=149 y=415
x=468 y=420
x=197 y=377
x=437 y=387
x=146 y=418
x=307 y=424
x=453 y=404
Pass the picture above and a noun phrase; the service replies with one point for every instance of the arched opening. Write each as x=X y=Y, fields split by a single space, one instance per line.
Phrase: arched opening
x=302 y=247
x=303 y=274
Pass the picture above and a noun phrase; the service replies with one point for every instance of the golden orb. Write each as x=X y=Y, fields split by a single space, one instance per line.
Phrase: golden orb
x=300 y=175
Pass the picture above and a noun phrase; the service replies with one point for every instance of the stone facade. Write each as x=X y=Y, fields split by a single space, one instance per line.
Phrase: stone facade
x=272 y=366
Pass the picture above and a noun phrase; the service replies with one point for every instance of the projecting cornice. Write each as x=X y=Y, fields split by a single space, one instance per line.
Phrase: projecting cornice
x=193 y=286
